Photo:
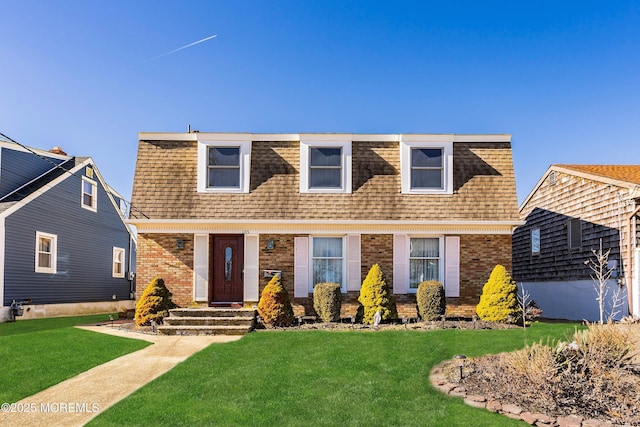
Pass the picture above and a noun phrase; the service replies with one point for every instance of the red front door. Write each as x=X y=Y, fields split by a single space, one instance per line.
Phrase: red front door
x=226 y=268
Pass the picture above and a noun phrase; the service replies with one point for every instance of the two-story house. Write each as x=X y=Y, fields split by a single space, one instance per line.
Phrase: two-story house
x=218 y=213
x=567 y=214
x=64 y=243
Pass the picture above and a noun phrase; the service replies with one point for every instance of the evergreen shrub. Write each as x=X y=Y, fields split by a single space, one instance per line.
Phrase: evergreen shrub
x=274 y=306
x=499 y=299
x=375 y=295
x=154 y=304
x=431 y=300
x=327 y=301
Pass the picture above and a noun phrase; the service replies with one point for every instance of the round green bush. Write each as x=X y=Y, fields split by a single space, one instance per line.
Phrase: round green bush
x=431 y=300
x=327 y=301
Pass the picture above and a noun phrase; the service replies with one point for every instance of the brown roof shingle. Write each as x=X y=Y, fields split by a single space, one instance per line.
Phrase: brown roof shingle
x=628 y=173
x=166 y=175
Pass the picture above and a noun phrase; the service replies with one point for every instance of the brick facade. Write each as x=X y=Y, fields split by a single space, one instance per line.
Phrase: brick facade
x=159 y=255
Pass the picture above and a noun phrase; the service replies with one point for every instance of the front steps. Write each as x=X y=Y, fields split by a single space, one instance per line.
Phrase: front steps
x=208 y=321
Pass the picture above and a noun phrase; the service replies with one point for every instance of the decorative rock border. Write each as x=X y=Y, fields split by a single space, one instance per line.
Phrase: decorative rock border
x=439 y=381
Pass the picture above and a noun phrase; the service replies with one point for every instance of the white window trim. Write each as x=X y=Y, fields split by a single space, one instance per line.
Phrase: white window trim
x=447 y=164
x=305 y=160
x=116 y=251
x=54 y=253
x=343 y=286
x=441 y=253
x=94 y=200
x=245 y=164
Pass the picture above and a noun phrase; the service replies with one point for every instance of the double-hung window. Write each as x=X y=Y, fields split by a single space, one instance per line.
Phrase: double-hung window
x=327 y=260
x=325 y=166
x=46 y=253
x=118 y=262
x=426 y=167
x=424 y=260
x=89 y=194
x=223 y=166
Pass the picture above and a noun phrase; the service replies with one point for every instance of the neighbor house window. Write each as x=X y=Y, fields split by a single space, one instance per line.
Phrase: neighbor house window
x=574 y=229
x=424 y=260
x=89 y=194
x=427 y=167
x=46 y=253
x=327 y=260
x=535 y=241
x=118 y=262
x=325 y=166
x=224 y=166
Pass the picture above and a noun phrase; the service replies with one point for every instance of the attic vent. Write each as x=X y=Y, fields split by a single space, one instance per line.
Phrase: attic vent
x=552 y=178
x=88 y=171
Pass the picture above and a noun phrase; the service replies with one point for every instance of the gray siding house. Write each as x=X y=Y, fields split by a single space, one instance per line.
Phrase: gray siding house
x=571 y=210
x=64 y=243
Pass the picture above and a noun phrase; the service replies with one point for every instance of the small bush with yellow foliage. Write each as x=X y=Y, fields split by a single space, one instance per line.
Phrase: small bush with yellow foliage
x=274 y=306
x=375 y=295
x=327 y=301
x=499 y=299
x=154 y=304
x=431 y=300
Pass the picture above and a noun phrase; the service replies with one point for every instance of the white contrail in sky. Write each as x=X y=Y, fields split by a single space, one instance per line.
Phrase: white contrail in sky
x=185 y=46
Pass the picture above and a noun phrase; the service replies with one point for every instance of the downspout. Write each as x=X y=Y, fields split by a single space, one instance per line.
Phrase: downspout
x=629 y=273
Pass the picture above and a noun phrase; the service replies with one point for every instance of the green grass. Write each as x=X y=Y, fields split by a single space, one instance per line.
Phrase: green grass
x=300 y=378
x=36 y=354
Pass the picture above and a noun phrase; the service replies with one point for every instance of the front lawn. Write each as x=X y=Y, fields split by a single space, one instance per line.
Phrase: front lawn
x=36 y=354
x=320 y=378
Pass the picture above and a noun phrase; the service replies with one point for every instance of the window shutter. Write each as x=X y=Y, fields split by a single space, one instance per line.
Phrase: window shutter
x=200 y=266
x=452 y=266
x=251 y=267
x=354 y=271
x=400 y=264
x=301 y=267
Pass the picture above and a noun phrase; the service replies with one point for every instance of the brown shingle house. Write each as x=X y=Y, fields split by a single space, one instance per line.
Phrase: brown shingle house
x=218 y=213
x=570 y=210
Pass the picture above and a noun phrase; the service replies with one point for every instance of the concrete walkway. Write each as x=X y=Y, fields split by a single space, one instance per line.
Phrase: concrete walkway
x=76 y=401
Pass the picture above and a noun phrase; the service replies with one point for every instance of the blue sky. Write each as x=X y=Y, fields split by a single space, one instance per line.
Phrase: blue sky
x=561 y=76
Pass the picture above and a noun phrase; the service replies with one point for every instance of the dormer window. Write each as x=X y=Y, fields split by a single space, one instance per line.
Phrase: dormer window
x=223 y=166
x=325 y=166
x=427 y=167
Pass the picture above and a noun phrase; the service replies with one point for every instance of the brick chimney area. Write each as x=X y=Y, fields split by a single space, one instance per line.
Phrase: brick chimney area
x=57 y=150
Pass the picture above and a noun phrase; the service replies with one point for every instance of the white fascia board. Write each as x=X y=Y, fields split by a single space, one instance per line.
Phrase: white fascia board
x=322 y=226
x=231 y=136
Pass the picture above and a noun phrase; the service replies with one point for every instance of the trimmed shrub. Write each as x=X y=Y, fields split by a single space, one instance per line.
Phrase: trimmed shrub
x=499 y=299
x=375 y=295
x=274 y=306
x=431 y=300
x=327 y=301
x=155 y=303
